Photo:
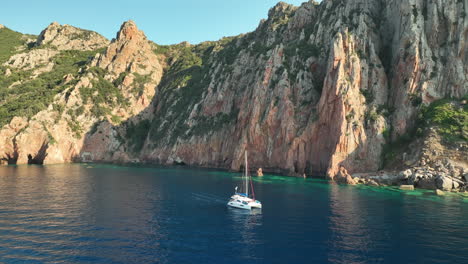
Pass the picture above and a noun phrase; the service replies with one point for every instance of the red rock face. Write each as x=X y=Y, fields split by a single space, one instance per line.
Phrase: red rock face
x=130 y=52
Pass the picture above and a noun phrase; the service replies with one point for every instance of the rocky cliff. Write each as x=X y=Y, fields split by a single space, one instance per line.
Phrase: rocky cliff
x=312 y=89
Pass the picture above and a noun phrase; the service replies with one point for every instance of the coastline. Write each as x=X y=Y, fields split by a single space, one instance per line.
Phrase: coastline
x=421 y=178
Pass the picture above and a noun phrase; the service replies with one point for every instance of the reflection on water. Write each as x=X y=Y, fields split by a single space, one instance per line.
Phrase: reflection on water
x=246 y=223
x=110 y=214
x=350 y=239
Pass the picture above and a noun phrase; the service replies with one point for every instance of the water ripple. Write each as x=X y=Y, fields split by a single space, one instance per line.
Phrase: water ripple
x=111 y=214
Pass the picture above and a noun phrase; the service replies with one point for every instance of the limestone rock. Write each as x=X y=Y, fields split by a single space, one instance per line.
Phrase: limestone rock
x=439 y=192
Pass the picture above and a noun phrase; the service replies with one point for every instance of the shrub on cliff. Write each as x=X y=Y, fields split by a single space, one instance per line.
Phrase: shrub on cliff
x=33 y=95
x=9 y=42
x=450 y=118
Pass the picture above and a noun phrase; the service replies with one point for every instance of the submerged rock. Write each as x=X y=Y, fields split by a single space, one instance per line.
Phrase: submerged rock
x=407 y=187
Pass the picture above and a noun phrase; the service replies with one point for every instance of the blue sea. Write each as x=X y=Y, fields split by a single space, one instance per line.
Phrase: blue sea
x=88 y=213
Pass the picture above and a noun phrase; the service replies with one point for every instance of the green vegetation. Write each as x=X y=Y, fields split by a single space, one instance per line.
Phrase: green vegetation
x=103 y=94
x=9 y=42
x=120 y=79
x=94 y=127
x=206 y=124
x=449 y=117
x=415 y=14
x=385 y=110
x=231 y=49
x=75 y=128
x=183 y=84
x=116 y=119
x=302 y=49
x=83 y=34
x=260 y=49
x=139 y=83
x=136 y=134
x=370 y=117
x=281 y=20
x=391 y=149
x=368 y=94
x=415 y=100
x=181 y=88
x=162 y=49
x=33 y=95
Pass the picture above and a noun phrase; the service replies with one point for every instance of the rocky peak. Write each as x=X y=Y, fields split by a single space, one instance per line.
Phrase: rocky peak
x=131 y=55
x=66 y=37
x=280 y=9
x=128 y=31
x=2 y=26
x=129 y=52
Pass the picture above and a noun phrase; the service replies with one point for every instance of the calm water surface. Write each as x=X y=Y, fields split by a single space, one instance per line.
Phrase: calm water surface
x=109 y=214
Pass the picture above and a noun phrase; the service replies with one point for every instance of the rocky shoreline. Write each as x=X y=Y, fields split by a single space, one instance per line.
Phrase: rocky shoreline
x=443 y=177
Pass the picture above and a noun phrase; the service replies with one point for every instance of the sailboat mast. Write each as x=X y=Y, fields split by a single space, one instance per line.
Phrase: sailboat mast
x=246 y=176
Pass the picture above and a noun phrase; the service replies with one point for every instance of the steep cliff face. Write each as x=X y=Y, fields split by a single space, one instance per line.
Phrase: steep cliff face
x=313 y=88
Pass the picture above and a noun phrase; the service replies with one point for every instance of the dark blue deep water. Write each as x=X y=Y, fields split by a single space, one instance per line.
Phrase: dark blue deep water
x=109 y=214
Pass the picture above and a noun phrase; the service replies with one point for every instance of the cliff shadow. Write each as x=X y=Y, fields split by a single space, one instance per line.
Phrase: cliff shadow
x=40 y=156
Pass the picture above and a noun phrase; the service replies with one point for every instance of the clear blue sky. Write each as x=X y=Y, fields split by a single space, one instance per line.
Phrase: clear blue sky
x=165 y=22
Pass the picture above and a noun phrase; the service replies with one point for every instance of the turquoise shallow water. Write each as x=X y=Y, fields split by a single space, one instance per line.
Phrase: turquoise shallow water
x=111 y=214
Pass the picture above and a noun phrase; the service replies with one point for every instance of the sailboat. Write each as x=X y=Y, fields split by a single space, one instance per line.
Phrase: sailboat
x=243 y=200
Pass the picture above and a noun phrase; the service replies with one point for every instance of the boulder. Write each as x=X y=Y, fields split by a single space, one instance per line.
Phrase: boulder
x=343 y=177
x=444 y=183
x=372 y=183
x=427 y=183
x=439 y=192
x=260 y=173
x=405 y=174
x=407 y=187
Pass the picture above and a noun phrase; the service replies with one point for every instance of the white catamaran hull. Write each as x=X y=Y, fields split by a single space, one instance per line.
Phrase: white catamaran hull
x=248 y=206
x=242 y=202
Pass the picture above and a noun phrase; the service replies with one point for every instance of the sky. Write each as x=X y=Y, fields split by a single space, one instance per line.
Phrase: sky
x=164 y=22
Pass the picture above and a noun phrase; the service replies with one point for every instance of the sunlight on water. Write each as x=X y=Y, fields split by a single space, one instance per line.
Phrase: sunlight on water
x=98 y=213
